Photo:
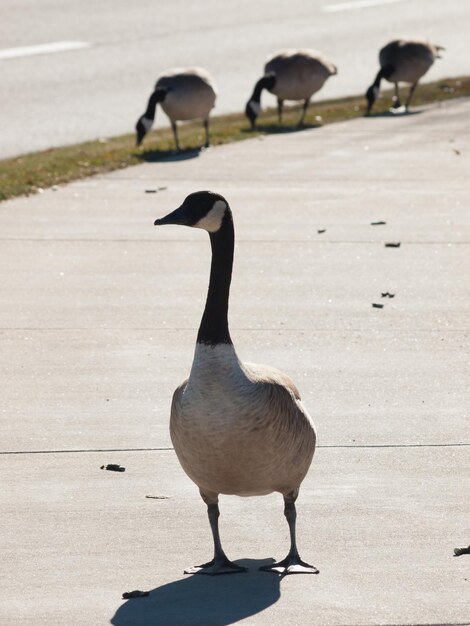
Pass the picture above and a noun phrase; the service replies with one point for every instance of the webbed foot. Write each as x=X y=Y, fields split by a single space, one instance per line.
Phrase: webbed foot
x=398 y=110
x=216 y=567
x=292 y=564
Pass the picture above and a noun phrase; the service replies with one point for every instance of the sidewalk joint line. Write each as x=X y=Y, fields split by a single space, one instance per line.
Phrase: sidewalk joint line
x=239 y=241
x=283 y=329
x=167 y=449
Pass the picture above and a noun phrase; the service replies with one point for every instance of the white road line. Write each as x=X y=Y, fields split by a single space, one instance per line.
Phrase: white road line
x=45 y=48
x=358 y=4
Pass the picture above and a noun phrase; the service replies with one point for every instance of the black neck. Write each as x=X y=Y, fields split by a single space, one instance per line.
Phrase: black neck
x=152 y=105
x=384 y=72
x=213 y=329
x=260 y=85
x=378 y=79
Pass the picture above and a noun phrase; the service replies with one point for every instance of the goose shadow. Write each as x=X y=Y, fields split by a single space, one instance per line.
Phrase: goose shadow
x=275 y=129
x=204 y=600
x=169 y=156
x=393 y=116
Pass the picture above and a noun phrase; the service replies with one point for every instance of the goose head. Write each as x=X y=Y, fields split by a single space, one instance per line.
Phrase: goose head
x=253 y=106
x=252 y=111
x=145 y=121
x=371 y=96
x=201 y=209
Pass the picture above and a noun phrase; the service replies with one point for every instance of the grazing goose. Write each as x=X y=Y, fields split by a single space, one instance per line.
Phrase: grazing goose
x=237 y=428
x=290 y=75
x=402 y=60
x=184 y=94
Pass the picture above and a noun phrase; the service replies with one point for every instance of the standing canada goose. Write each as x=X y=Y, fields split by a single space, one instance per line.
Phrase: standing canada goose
x=237 y=429
x=290 y=75
x=184 y=94
x=402 y=60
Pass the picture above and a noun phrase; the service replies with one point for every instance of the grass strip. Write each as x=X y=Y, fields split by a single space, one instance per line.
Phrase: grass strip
x=30 y=173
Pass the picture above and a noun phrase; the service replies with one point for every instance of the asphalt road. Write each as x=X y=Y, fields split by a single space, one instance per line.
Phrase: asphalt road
x=98 y=90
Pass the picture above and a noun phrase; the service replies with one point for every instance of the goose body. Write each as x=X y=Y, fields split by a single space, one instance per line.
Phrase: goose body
x=233 y=443
x=291 y=75
x=403 y=60
x=183 y=94
x=237 y=428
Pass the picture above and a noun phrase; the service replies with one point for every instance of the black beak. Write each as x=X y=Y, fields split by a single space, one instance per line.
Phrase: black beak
x=139 y=137
x=140 y=132
x=178 y=216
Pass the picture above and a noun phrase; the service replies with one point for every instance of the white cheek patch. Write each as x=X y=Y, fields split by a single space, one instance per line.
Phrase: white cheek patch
x=147 y=123
x=255 y=107
x=213 y=220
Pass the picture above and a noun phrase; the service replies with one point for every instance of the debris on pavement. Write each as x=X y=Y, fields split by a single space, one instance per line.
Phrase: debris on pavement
x=379 y=223
x=377 y=306
x=134 y=594
x=113 y=467
x=157 y=497
x=459 y=551
x=387 y=294
x=156 y=190
x=393 y=245
x=321 y=230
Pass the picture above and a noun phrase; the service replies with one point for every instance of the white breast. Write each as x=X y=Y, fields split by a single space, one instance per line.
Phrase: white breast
x=232 y=435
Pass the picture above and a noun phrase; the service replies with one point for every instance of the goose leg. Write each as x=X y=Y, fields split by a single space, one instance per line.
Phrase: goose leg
x=175 y=134
x=206 y=128
x=220 y=564
x=396 y=104
x=304 y=111
x=279 y=111
x=292 y=564
x=410 y=95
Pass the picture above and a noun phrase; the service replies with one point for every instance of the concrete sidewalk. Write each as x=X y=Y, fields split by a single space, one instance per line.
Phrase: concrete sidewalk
x=97 y=327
